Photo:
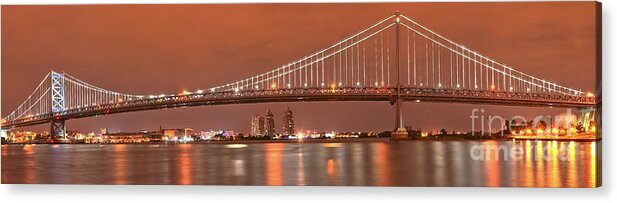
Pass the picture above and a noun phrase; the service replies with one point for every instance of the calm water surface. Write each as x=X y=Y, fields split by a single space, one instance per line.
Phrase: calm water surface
x=407 y=163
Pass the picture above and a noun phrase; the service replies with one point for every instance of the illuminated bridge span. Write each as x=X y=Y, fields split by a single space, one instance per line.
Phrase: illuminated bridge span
x=395 y=60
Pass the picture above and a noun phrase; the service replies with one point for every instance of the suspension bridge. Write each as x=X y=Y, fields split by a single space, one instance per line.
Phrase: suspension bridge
x=394 y=60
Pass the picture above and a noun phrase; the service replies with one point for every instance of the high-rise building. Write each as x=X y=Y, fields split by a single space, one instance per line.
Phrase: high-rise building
x=269 y=127
x=288 y=128
x=258 y=123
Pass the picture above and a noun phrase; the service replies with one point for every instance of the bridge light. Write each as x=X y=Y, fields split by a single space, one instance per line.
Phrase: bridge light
x=492 y=87
x=212 y=89
x=457 y=85
x=421 y=84
x=358 y=83
x=273 y=86
x=439 y=85
x=511 y=88
x=340 y=84
x=376 y=84
x=528 y=89
x=200 y=91
x=184 y=92
x=333 y=85
x=589 y=94
x=398 y=19
x=162 y=95
x=476 y=86
x=236 y=90
x=288 y=85
x=322 y=84
x=305 y=84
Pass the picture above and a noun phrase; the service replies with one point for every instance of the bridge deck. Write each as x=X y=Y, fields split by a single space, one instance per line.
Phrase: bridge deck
x=315 y=94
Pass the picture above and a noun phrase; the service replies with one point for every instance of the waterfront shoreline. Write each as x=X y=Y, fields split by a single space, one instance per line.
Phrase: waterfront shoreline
x=339 y=140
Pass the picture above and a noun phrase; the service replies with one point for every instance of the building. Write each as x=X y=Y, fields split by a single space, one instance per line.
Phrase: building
x=217 y=134
x=263 y=125
x=181 y=134
x=258 y=123
x=131 y=137
x=269 y=124
x=288 y=128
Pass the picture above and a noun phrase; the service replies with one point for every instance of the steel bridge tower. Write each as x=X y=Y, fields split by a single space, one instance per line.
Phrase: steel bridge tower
x=400 y=132
x=57 y=105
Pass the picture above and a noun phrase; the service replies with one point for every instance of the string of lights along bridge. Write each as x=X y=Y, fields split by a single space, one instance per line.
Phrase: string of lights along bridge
x=395 y=59
x=368 y=59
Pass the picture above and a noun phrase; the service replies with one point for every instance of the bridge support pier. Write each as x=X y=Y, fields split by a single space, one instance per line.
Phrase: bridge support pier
x=57 y=130
x=400 y=133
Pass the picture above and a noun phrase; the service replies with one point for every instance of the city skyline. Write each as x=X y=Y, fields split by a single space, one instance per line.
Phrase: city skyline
x=334 y=115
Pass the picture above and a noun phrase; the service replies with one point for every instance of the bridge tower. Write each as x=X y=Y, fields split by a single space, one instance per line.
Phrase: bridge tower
x=57 y=105
x=400 y=133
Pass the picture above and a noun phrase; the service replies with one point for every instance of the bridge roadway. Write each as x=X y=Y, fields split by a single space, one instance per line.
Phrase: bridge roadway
x=315 y=94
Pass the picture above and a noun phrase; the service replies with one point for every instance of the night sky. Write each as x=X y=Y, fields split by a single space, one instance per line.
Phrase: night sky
x=154 y=49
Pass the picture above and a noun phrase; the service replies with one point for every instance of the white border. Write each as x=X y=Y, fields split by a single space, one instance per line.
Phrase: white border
x=167 y=194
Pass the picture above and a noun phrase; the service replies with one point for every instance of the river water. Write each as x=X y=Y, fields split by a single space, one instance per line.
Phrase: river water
x=405 y=163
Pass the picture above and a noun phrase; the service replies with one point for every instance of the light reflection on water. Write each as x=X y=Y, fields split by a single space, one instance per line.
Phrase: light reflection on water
x=412 y=163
